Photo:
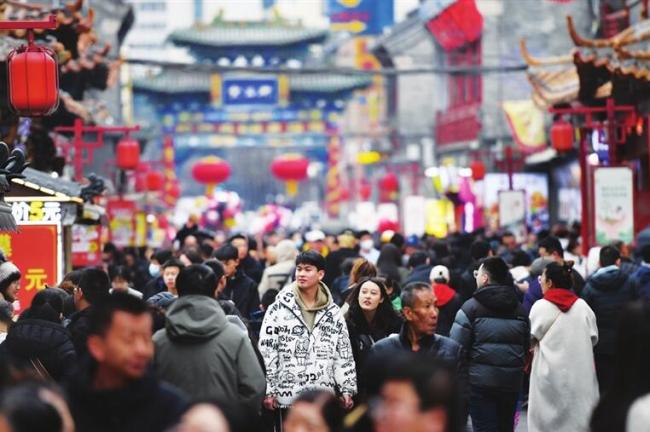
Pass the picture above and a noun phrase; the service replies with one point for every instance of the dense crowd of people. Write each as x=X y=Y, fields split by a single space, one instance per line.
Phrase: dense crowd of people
x=347 y=331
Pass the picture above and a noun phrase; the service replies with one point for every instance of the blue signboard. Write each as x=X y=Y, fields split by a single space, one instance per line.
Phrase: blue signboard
x=250 y=91
x=362 y=17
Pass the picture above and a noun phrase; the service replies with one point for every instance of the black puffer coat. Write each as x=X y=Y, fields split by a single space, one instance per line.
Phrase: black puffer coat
x=606 y=292
x=494 y=330
x=32 y=339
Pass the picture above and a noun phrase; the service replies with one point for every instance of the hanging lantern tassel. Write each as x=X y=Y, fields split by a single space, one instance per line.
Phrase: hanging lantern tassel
x=209 y=189
x=292 y=188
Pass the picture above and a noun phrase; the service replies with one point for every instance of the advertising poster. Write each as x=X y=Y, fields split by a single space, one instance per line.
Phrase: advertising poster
x=360 y=17
x=414 y=215
x=613 y=204
x=40 y=266
x=512 y=212
x=86 y=245
x=121 y=222
x=536 y=187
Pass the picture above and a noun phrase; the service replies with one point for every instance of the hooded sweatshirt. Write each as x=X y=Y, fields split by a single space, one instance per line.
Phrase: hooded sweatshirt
x=323 y=299
x=200 y=352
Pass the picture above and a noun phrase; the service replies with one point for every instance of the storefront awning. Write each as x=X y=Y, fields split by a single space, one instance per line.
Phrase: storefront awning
x=453 y=25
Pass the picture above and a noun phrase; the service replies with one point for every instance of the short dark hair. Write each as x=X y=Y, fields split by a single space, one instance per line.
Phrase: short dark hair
x=560 y=274
x=162 y=256
x=328 y=405
x=26 y=408
x=311 y=258
x=479 y=249
x=95 y=285
x=216 y=267
x=645 y=253
x=173 y=262
x=226 y=252
x=409 y=293
x=193 y=255
x=197 y=279
x=551 y=244
x=206 y=248
x=73 y=277
x=608 y=256
x=101 y=316
x=238 y=236
x=520 y=258
x=497 y=270
x=418 y=258
x=47 y=305
x=119 y=271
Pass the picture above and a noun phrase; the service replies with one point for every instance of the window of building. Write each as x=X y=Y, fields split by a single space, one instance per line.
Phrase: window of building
x=465 y=87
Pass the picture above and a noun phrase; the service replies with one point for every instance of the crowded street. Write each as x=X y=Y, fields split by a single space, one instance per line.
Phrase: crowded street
x=325 y=216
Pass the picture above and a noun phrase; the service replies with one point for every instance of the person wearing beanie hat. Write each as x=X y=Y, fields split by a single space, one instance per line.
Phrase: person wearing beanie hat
x=9 y=281
x=94 y=287
x=448 y=300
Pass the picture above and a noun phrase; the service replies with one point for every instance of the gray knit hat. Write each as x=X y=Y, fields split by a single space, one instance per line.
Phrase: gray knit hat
x=538 y=266
x=8 y=274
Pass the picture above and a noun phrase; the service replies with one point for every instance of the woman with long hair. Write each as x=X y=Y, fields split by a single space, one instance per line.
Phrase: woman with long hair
x=371 y=317
x=563 y=384
x=631 y=375
x=362 y=268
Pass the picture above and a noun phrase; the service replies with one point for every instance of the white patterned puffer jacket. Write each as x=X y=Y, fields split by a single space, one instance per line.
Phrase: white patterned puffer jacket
x=297 y=359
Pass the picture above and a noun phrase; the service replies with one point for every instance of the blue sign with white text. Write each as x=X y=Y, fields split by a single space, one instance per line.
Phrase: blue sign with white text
x=250 y=91
x=361 y=17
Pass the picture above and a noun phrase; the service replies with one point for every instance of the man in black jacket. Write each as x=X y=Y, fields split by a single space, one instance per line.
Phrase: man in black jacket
x=606 y=292
x=418 y=333
x=93 y=289
x=494 y=330
x=249 y=265
x=115 y=390
x=241 y=289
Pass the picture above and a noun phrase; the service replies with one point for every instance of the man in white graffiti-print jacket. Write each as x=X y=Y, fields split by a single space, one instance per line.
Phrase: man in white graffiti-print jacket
x=304 y=340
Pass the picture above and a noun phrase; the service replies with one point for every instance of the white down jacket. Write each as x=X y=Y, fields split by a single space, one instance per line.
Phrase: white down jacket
x=297 y=359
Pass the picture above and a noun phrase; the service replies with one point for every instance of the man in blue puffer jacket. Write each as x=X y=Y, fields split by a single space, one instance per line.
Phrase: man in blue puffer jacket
x=642 y=275
x=494 y=330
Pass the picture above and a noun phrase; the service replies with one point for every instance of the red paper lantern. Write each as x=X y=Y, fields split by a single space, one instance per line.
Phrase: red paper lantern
x=389 y=183
x=128 y=153
x=174 y=190
x=478 y=170
x=290 y=168
x=344 y=194
x=211 y=170
x=154 y=181
x=562 y=135
x=33 y=81
x=365 y=190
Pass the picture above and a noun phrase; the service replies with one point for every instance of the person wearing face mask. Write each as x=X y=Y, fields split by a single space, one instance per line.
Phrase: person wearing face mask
x=367 y=248
x=156 y=284
x=370 y=318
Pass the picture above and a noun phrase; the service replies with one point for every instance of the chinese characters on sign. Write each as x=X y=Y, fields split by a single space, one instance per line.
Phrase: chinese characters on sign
x=121 y=216
x=86 y=245
x=40 y=265
x=246 y=91
x=36 y=211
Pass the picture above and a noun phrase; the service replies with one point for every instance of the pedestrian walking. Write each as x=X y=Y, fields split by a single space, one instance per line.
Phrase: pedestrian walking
x=563 y=384
x=114 y=389
x=448 y=301
x=304 y=340
x=494 y=330
x=240 y=288
x=371 y=318
x=201 y=352
x=606 y=292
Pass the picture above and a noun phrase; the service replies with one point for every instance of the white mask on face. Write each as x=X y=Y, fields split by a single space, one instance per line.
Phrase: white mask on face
x=367 y=244
x=154 y=270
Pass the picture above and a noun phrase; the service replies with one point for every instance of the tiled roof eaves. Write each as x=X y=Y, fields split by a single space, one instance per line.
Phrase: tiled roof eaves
x=204 y=38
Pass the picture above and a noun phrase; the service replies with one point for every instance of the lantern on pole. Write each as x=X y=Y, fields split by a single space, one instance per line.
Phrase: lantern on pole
x=562 y=135
x=478 y=170
x=290 y=168
x=211 y=171
x=32 y=72
x=128 y=153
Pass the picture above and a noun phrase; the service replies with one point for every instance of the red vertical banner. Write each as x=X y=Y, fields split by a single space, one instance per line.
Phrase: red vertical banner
x=121 y=222
x=333 y=178
x=86 y=245
x=37 y=251
x=171 y=188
